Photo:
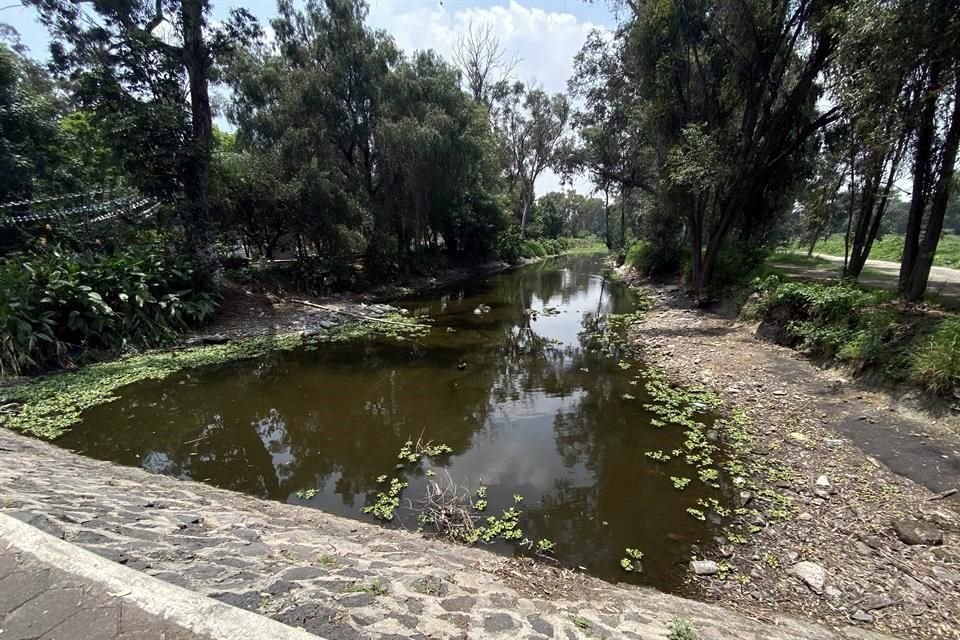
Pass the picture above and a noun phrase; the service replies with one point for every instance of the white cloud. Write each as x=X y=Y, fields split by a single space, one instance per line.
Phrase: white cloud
x=545 y=41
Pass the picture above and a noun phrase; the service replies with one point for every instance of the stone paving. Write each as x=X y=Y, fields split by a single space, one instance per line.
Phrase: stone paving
x=338 y=578
x=40 y=602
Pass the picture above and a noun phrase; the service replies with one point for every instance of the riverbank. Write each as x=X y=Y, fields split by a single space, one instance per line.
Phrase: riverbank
x=251 y=321
x=335 y=577
x=842 y=558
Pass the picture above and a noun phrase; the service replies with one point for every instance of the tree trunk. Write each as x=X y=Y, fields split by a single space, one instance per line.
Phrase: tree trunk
x=523 y=215
x=197 y=179
x=606 y=217
x=623 y=218
x=920 y=273
x=923 y=159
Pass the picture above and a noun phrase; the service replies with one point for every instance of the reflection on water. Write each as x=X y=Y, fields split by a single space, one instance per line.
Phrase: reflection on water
x=523 y=402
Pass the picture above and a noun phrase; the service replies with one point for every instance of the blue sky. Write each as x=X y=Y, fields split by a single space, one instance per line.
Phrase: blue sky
x=544 y=34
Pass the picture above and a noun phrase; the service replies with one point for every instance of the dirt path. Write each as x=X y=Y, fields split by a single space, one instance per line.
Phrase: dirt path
x=845 y=450
x=944 y=282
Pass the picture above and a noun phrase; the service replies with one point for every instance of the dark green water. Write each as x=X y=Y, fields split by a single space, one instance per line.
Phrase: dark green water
x=535 y=412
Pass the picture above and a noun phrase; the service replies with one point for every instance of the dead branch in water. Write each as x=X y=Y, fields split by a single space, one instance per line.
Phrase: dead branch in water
x=358 y=315
x=449 y=509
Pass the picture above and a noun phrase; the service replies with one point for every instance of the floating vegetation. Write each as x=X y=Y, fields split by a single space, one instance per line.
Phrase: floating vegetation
x=697 y=513
x=631 y=562
x=545 y=546
x=387 y=501
x=411 y=453
x=680 y=483
x=48 y=406
x=306 y=494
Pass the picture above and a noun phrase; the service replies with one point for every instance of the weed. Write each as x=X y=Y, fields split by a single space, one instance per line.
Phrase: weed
x=545 y=546
x=680 y=629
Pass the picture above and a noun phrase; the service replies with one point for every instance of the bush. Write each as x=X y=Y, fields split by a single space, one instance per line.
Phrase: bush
x=508 y=244
x=936 y=363
x=737 y=264
x=824 y=319
x=56 y=301
x=532 y=249
x=656 y=259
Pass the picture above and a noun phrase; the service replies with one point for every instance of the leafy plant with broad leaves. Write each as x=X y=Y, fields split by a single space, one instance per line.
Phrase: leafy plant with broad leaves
x=57 y=302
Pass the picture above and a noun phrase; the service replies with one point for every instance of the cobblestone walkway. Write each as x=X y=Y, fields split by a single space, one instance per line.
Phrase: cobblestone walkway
x=338 y=578
x=39 y=601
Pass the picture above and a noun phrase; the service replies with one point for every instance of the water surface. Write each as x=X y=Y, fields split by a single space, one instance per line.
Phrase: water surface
x=527 y=406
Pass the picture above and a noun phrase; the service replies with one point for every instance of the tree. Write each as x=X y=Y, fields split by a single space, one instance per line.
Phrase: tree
x=29 y=136
x=483 y=63
x=131 y=76
x=389 y=156
x=530 y=125
x=931 y=51
x=727 y=95
x=613 y=145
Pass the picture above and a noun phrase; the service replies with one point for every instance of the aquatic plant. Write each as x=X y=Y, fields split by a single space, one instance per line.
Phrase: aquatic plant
x=631 y=562
x=545 y=546
x=388 y=501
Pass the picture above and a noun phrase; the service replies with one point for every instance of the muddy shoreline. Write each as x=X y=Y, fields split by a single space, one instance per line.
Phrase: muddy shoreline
x=839 y=559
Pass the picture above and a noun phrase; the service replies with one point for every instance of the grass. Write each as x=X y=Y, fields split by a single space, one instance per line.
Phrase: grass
x=799 y=259
x=890 y=248
x=864 y=329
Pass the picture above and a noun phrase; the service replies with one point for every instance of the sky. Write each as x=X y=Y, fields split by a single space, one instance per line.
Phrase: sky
x=544 y=34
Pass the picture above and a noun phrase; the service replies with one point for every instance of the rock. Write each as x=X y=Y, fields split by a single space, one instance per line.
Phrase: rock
x=833 y=443
x=862 y=616
x=704 y=567
x=862 y=548
x=805 y=516
x=832 y=592
x=745 y=498
x=918 y=532
x=824 y=483
x=876 y=601
x=943 y=574
x=811 y=574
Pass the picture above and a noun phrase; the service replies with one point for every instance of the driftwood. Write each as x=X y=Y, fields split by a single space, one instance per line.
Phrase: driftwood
x=359 y=315
x=943 y=494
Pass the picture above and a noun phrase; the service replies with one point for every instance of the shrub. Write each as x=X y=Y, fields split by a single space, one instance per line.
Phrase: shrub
x=508 y=244
x=532 y=249
x=656 y=259
x=57 y=301
x=680 y=629
x=737 y=264
x=822 y=319
x=936 y=363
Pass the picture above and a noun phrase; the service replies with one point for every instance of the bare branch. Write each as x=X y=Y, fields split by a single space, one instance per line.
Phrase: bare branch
x=482 y=61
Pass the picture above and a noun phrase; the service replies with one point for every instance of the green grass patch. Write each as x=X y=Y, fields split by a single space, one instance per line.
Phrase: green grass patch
x=864 y=329
x=799 y=259
x=890 y=248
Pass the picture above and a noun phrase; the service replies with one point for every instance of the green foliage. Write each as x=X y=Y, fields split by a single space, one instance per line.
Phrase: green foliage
x=889 y=247
x=680 y=629
x=388 y=501
x=936 y=362
x=864 y=330
x=631 y=561
x=545 y=546
x=656 y=259
x=817 y=318
x=58 y=301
